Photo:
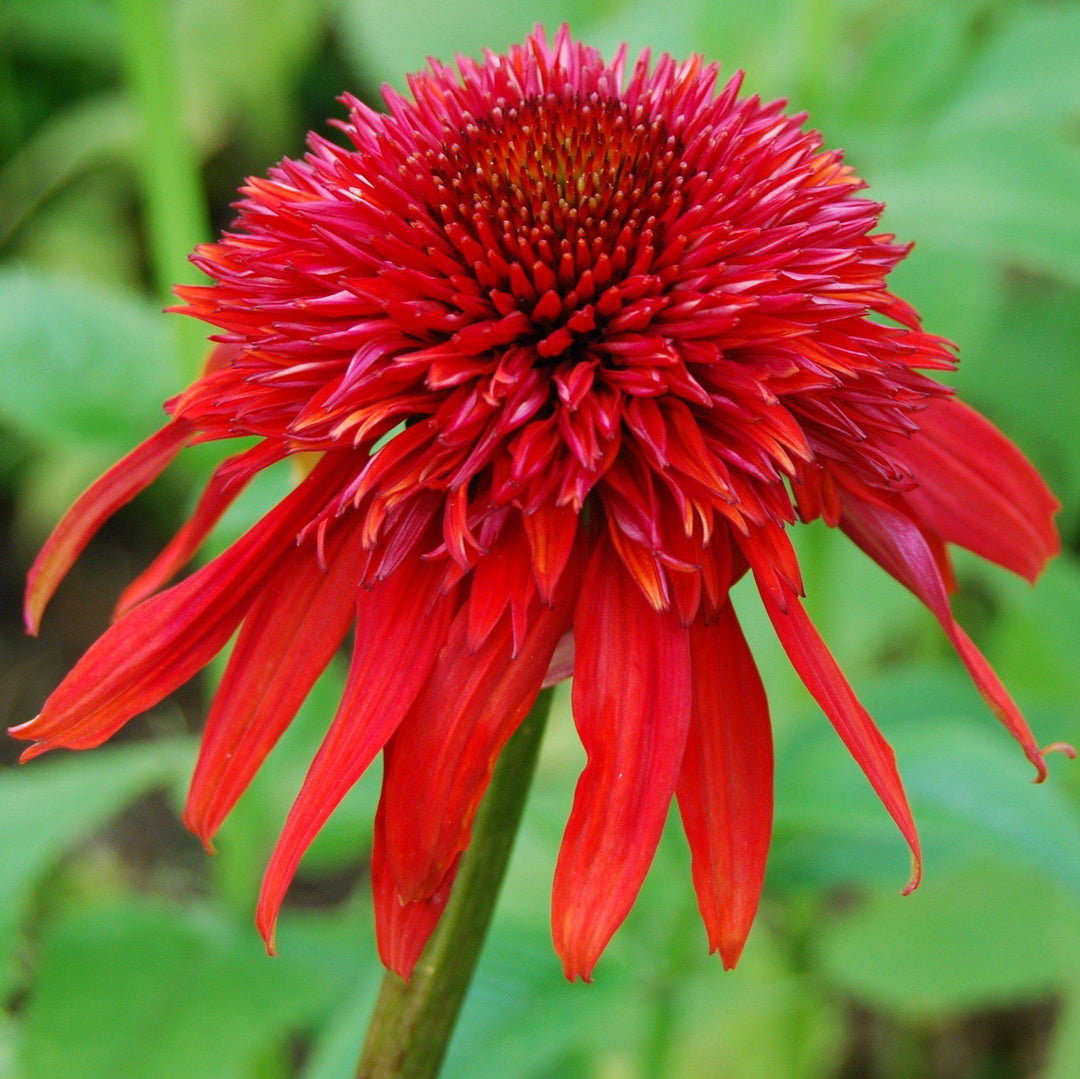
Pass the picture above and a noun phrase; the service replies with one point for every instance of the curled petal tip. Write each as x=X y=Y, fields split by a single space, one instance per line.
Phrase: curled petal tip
x=916 y=875
x=1055 y=747
x=268 y=931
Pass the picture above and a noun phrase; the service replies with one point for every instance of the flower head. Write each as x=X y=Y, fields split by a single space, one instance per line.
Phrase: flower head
x=574 y=345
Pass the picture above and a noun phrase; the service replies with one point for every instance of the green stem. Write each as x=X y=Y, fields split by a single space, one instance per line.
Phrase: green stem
x=175 y=204
x=413 y=1021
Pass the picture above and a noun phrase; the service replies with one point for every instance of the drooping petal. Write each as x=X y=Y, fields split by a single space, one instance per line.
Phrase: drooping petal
x=402 y=929
x=899 y=546
x=289 y=636
x=165 y=641
x=118 y=486
x=827 y=685
x=978 y=490
x=725 y=788
x=632 y=703
x=224 y=486
x=446 y=748
x=400 y=625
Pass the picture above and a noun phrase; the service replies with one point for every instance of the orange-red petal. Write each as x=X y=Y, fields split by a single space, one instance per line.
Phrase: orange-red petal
x=725 y=788
x=632 y=704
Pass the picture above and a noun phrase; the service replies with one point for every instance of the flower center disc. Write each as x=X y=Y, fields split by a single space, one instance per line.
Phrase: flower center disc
x=565 y=199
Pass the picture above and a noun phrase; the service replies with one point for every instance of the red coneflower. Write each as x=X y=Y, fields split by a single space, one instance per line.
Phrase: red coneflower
x=574 y=347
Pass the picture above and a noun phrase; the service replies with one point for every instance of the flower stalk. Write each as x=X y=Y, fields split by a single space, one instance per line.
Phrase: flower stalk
x=413 y=1020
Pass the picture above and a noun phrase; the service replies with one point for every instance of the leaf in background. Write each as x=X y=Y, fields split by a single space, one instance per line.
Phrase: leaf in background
x=906 y=70
x=50 y=806
x=1036 y=640
x=1028 y=74
x=1027 y=373
x=81 y=364
x=91 y=131
x=243 y=58
x=982 y=938
x=145 y=990
x=385 y=39
x=969 y=787
x=1008 y=197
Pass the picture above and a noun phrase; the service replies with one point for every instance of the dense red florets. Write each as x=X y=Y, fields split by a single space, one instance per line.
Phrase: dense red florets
x=566 y=283
x=568 y=350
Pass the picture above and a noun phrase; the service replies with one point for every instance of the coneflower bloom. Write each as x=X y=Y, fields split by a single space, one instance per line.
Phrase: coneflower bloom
x=572 y=345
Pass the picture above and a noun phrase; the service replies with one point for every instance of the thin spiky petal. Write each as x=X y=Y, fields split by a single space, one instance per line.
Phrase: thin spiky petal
x=227 y=482
x=726 y=782
x=976 y=489
x=402 y=929
x=289 y=635
x=446 y=747
x=827 y=685
x=900 y=547
x=118 y=486
x=391 y=662
x=632 y=704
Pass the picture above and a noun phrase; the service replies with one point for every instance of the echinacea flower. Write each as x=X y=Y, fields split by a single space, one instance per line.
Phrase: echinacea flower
x=571 y=346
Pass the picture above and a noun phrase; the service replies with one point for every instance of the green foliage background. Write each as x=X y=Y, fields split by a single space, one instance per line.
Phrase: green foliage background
x=125 y=127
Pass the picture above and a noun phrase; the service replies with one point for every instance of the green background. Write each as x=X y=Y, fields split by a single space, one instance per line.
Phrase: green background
x=125 y=128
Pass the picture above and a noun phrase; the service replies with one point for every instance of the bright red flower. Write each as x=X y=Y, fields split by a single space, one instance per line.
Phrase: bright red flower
x=575 y=346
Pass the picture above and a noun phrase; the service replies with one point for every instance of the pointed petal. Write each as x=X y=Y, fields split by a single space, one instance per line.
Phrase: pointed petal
x=978 y=490
x=899 y=546
x=725 y=787
x=165 y=641
x=289 y=636
x=446 y=748
x=402 y=929
x=400 y=625
x=94 y=507
x=632 y=702
x=551 y=531
x=226 y=483
x=827 y=685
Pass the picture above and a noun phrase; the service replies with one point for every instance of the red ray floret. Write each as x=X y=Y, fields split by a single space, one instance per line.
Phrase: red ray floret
x=573 y=344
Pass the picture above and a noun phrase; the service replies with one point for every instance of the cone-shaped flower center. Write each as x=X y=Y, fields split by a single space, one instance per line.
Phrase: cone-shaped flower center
x=563 y=198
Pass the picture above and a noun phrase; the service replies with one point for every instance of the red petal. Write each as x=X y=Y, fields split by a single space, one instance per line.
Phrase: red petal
x=93 y=508
x=725 y=788
x=400 y=625
x=230 y=478
x=402 y=929
x=551 y=531
x=898 y=545
x=446 y=748
x=828 y=686
x=166 y=640
x=289 y=636
x=978 y=490
x=632 y=703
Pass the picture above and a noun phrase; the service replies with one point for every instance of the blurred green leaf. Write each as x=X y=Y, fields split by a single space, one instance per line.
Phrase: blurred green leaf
x=1036 y=640
x=51 y=805
x=82 y=31
x=982 y=938
x=387 y=39
x=142 y=989
x=969 y=786
x=81 y=364
x=976 y=193
x=89 y=132
x=907 y=68
x=1027 y=74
